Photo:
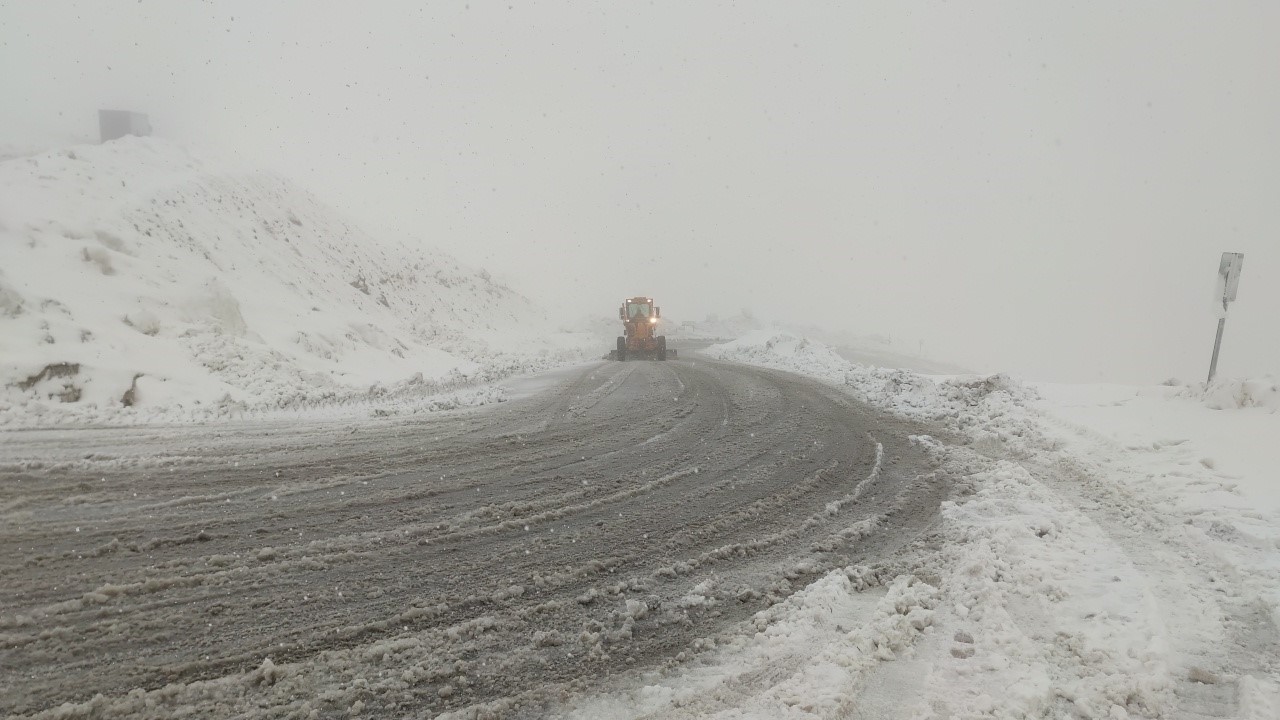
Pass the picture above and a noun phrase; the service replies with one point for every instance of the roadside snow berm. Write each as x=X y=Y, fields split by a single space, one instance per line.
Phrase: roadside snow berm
x=639 y=340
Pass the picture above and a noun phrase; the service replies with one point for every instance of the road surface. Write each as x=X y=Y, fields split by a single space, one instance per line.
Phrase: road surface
x=496 y=558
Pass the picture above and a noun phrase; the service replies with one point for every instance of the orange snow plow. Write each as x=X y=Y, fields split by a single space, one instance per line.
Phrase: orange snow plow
x=640 y=340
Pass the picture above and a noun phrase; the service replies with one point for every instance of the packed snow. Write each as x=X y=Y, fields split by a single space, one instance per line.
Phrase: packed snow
x=1109 y=552
x=139 y=281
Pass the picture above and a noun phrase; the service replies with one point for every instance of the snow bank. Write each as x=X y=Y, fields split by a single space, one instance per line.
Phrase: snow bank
x=138 y=281
x=979 y=404
x=1097 y=560
x=816 y=644
x=770 y=347
x=1235 y=393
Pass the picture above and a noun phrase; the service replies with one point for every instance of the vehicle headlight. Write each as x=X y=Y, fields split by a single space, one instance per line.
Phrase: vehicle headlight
x=653 y=320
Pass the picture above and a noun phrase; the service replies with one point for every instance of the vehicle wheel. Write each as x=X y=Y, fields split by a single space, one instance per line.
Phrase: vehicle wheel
x=622 y=348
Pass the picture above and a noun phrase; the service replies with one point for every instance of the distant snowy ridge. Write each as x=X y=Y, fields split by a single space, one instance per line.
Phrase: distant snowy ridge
x=140 y=282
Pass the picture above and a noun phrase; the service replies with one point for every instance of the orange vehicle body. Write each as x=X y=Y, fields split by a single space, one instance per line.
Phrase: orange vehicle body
x=640 y=339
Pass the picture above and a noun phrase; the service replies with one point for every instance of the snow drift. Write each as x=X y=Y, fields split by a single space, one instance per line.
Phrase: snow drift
x=1237 y=393
x=136 y=275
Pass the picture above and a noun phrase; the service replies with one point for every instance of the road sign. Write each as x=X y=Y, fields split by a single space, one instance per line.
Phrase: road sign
x=1229 y=269
x=1229 y=276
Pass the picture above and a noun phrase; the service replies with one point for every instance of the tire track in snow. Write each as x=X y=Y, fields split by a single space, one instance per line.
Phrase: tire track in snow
x=419 y=590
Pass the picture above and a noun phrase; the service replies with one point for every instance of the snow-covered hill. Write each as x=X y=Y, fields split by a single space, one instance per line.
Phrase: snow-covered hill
x=137 y=279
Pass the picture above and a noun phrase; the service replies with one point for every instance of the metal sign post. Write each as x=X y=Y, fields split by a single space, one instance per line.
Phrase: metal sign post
x=1229 y=278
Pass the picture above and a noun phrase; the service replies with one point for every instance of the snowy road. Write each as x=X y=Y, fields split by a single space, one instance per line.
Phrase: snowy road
x=500 y=557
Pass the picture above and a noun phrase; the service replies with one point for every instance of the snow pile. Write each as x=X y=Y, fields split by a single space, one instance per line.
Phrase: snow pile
x=978 y=404
x=780 y=349
x=140 y=282
x=817 y=644
x=1233 y=394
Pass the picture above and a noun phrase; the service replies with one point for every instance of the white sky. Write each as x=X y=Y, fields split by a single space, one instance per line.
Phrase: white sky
x=1043 y=188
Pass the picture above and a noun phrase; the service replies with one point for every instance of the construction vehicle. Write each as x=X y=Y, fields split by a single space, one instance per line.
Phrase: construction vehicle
x=640 y=340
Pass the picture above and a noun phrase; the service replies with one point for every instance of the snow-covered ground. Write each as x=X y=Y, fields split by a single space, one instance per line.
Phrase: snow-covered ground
x=140 y=282
x=1109 y=552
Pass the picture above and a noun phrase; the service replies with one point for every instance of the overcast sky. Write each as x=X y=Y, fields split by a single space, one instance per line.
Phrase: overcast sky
x=1043 y=188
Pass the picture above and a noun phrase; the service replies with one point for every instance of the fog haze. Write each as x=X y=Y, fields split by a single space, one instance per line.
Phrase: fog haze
x=1042 y=189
